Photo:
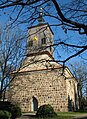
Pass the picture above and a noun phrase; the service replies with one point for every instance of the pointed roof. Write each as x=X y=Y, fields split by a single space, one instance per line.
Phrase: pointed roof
x=39 y=25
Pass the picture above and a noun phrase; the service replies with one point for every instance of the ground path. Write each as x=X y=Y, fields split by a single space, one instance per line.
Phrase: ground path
x=82 y=116
x=27 y=115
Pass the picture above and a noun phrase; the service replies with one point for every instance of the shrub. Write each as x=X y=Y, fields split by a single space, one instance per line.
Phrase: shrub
x=5 y=114
x=16 y=111
x=46 y=111
x=13 y=109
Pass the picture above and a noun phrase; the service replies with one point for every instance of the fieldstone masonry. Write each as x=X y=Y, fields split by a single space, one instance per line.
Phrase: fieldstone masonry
x=42 y=81
x=45 y=86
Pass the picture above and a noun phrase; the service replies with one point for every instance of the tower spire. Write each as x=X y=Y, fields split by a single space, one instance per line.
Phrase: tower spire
x=40 y=18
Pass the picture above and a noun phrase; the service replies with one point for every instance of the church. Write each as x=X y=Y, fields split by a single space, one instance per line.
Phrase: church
x=41 y=80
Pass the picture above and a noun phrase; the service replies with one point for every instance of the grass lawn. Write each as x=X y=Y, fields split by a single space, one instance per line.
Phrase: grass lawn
x=69 y=115
x=63 y=115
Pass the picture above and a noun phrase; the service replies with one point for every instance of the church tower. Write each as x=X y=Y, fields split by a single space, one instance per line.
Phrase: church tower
x=40 y=38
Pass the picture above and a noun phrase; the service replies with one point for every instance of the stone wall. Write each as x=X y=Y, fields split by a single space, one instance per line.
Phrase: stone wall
x=72 y=93
x=47 y=86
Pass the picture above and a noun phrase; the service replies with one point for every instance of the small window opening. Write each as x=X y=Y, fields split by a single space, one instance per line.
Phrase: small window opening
x=30 y=43
x=43 y=41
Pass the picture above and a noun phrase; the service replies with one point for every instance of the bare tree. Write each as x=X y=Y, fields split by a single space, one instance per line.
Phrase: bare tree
x=70 y=16
x=80 y=72
x=11 y=55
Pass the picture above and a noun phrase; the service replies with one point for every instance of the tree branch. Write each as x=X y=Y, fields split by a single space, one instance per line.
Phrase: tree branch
x=83 y=26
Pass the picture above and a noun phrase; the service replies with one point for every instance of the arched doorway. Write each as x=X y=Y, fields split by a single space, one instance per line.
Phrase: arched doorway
x=34 y=104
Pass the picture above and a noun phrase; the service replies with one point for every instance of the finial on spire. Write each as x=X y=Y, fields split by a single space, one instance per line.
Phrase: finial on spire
x=40 y=19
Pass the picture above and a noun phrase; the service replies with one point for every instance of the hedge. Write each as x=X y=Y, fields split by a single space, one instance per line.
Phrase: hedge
x=5 y=114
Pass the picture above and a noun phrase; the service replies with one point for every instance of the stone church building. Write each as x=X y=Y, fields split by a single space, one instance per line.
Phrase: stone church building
x=41 y=80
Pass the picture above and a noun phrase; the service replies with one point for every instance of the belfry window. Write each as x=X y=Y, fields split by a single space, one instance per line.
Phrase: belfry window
x=43 y=41
x=30 y=43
